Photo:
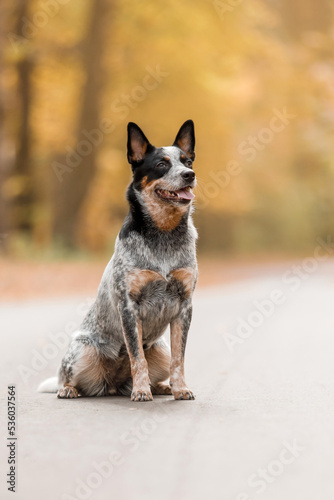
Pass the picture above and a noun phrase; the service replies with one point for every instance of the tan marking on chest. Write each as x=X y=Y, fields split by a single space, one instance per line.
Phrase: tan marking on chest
x=138 y=278
x=186 y=276
x=165 y=216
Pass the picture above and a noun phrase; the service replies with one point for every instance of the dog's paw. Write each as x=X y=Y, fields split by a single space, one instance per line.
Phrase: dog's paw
x=183 y=394
x=67 y=392
x=141 y=395
x=162 y=389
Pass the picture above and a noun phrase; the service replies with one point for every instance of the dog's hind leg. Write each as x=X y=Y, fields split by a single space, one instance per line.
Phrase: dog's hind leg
x=65 y=375
x=158 y=360
x=85 y=371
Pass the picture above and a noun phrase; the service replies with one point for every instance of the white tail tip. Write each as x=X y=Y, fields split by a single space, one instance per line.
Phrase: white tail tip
x=49 y=385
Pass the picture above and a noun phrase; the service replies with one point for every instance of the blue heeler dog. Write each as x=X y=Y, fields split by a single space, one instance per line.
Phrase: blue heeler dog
x=147 y=285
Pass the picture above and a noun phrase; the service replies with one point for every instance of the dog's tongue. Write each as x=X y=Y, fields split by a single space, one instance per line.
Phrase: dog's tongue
x=185 y=195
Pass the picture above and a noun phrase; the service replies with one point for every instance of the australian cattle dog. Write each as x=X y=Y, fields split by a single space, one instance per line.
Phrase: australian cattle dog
x=147 y=285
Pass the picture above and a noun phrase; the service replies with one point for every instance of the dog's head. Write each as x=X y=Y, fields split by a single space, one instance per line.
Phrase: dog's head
x=163 y=178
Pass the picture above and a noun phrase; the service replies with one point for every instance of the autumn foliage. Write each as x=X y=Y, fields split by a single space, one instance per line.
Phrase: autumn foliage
x=255 y=76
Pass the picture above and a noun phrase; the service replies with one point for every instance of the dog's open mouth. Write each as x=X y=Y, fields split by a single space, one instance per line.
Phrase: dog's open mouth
x=184 y=195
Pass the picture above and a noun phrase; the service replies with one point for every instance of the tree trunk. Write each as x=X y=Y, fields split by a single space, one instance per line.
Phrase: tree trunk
x=71 y=192
x=6 y=143
x=23 y=203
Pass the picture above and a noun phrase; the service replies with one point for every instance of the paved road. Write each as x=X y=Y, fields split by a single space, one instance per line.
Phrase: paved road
x=261 y=426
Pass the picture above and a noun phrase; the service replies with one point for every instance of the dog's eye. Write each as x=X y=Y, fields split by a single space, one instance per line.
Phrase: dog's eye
x=161 y=164
x=189 y=163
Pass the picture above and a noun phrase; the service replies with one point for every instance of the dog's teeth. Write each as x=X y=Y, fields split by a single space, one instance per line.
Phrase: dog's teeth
x=170 y=194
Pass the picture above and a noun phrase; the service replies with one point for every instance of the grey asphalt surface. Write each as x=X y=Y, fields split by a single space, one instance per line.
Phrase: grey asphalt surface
x=261 y=426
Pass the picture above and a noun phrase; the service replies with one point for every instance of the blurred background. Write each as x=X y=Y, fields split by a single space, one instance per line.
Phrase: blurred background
x=256 y=76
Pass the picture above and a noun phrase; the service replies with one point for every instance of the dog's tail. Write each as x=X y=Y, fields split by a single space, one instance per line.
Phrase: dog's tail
x=49 y=385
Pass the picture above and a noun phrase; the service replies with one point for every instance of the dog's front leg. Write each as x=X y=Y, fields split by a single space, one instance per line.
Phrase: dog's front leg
x=132 y=330
x=179 y=332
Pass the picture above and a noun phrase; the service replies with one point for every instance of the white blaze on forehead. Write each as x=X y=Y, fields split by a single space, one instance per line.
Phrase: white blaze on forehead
x=178 y=167
x=173 y=153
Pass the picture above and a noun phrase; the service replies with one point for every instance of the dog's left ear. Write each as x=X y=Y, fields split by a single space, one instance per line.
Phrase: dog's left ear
x=185 y=139
x=138 y=144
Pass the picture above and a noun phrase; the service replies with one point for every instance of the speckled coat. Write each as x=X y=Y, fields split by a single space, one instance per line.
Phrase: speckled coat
x=147 y=285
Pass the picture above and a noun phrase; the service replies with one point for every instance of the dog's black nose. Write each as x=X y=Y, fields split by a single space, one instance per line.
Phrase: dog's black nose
x=189 y=175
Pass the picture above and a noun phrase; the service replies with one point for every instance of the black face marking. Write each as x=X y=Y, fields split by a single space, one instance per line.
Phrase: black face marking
x=153 y=167
x=187 y=162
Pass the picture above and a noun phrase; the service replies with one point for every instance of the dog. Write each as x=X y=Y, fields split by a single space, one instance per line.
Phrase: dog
x=147 y=285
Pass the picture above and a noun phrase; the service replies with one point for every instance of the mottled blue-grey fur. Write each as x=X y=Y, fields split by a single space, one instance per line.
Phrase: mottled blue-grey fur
x=146 y=286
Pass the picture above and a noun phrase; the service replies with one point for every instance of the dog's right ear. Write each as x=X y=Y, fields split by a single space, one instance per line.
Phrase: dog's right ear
x=138 y=144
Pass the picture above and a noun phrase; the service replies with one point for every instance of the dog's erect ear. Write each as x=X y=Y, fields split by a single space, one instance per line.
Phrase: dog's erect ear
x=185 y=139
x=138 y=144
